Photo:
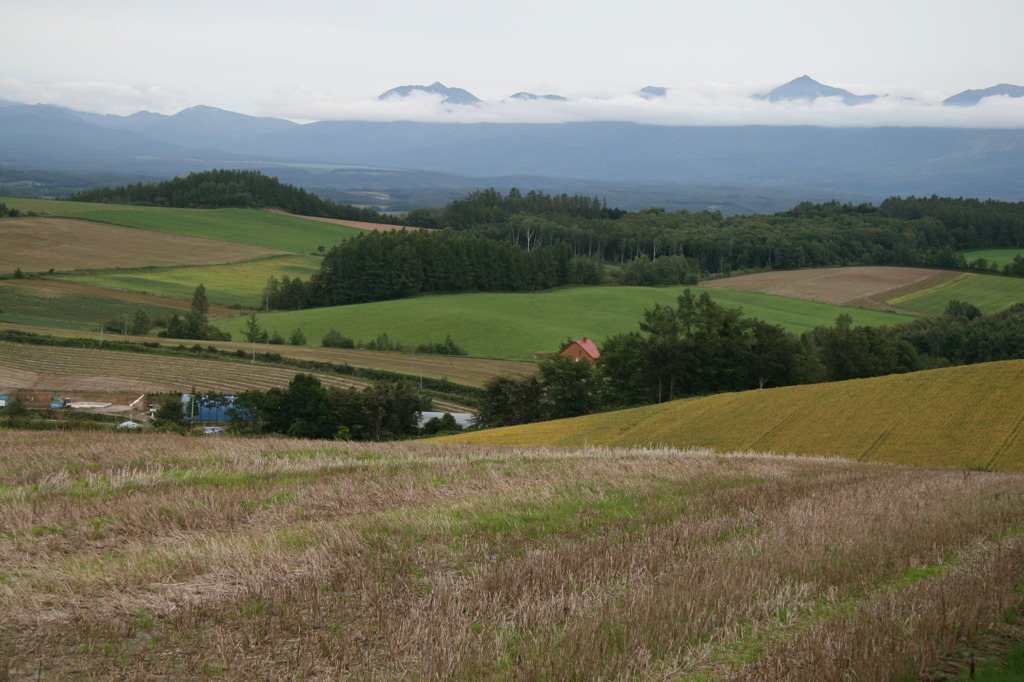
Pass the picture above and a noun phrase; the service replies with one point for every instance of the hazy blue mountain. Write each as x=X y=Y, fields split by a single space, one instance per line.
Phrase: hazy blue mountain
x=451 y=95
x=652 y=92
x=968 y=98
x=807 y=88
x=531 y=96
x=201 y=126
x=981 y=163
x=45 y=136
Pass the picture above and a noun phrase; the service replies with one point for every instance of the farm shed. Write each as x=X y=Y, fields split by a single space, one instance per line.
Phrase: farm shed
x=584 y=349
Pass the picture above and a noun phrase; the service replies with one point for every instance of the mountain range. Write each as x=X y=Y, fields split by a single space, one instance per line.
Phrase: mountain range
x=802 y=88
x=743 y=168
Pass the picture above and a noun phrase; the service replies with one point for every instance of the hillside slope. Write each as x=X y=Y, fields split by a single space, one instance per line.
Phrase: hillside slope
x=964 y=417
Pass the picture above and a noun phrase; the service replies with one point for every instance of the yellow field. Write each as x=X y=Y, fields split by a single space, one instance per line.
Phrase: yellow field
x=961 y=417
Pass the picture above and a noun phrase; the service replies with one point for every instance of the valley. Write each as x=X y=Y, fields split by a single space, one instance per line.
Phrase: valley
x=851 y=513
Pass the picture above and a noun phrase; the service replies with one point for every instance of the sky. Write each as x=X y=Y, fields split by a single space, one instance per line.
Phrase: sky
x=316 y=60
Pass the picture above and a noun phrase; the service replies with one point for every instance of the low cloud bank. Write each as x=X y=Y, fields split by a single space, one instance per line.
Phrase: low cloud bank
x=693 y=105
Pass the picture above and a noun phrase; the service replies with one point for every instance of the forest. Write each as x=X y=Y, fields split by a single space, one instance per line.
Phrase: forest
x=494 y=242
x=490 y=241
x=229 y=189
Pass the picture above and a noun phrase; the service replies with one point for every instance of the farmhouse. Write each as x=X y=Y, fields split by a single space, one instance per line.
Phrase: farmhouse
x=584 y=349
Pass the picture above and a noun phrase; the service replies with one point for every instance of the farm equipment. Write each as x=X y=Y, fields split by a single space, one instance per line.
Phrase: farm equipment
x=57 y=403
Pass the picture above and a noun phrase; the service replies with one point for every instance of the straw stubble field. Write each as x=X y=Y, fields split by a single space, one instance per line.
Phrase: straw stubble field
x=167 y=556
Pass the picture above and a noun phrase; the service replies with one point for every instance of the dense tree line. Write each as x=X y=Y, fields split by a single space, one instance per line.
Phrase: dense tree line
x=699 y=347
x=910 y=231
x=491 y=207
x=229 y=189
x=380 y=266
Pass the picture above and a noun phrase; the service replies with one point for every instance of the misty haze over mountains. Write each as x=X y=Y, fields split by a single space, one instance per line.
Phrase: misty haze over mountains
x=763 y=167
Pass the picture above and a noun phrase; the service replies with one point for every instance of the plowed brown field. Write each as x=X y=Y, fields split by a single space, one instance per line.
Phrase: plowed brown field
x=376 y=227
x=864 y=287
x=39 y=244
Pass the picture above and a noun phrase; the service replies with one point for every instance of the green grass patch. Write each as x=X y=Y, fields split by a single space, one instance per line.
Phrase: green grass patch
x=990 y=293
x=519 y=325
x=226 y=284
x=1000 y=257
x=242 y=226
x=41 y=308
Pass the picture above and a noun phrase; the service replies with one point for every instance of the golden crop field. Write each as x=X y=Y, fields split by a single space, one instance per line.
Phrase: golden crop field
x=157 y=556
x=960 y=417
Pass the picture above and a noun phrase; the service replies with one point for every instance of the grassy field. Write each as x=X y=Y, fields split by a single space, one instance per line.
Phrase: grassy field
x=990 y=293
x=519 y=325
x=159 y=556
x=227 y=284
x=1000 y=257
x=60 y=308
x=960 y=417
x=242 y=226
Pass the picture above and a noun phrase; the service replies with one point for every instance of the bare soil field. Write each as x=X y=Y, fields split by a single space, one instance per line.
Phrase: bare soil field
x=37 y=372
x=461 y=370
x=862 y=287
x=39 y=244
x=81 y=372
x=376 y=227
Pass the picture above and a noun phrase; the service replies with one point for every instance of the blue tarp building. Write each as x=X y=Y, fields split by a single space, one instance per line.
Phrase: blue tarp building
x=201 y=412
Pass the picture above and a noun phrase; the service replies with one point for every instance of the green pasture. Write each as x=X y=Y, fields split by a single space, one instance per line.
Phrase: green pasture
x=226 y=284
x=40 y=308
x=242 y=226
x=518 y=325
x=1000 y=257
x=990 y=293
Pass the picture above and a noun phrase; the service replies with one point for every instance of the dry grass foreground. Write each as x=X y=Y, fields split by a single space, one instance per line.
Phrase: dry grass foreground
x=39 y=244
x=161 y=556
x=961 y=417
x=863 y=287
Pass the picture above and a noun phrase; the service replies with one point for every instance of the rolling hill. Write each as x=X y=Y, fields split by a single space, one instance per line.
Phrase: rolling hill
x=959 y=417
x=519 y=325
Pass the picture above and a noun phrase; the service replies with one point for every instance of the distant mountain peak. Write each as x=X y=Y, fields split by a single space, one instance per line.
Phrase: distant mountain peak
x=968 y=98
x=530 y=96
x=449 y=95
x=652 y=92
x=806 y=88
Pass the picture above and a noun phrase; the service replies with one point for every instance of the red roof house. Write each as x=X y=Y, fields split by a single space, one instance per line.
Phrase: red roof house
x=584 y=349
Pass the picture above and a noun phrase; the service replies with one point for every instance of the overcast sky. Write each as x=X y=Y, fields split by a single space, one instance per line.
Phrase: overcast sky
x=313 y=60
